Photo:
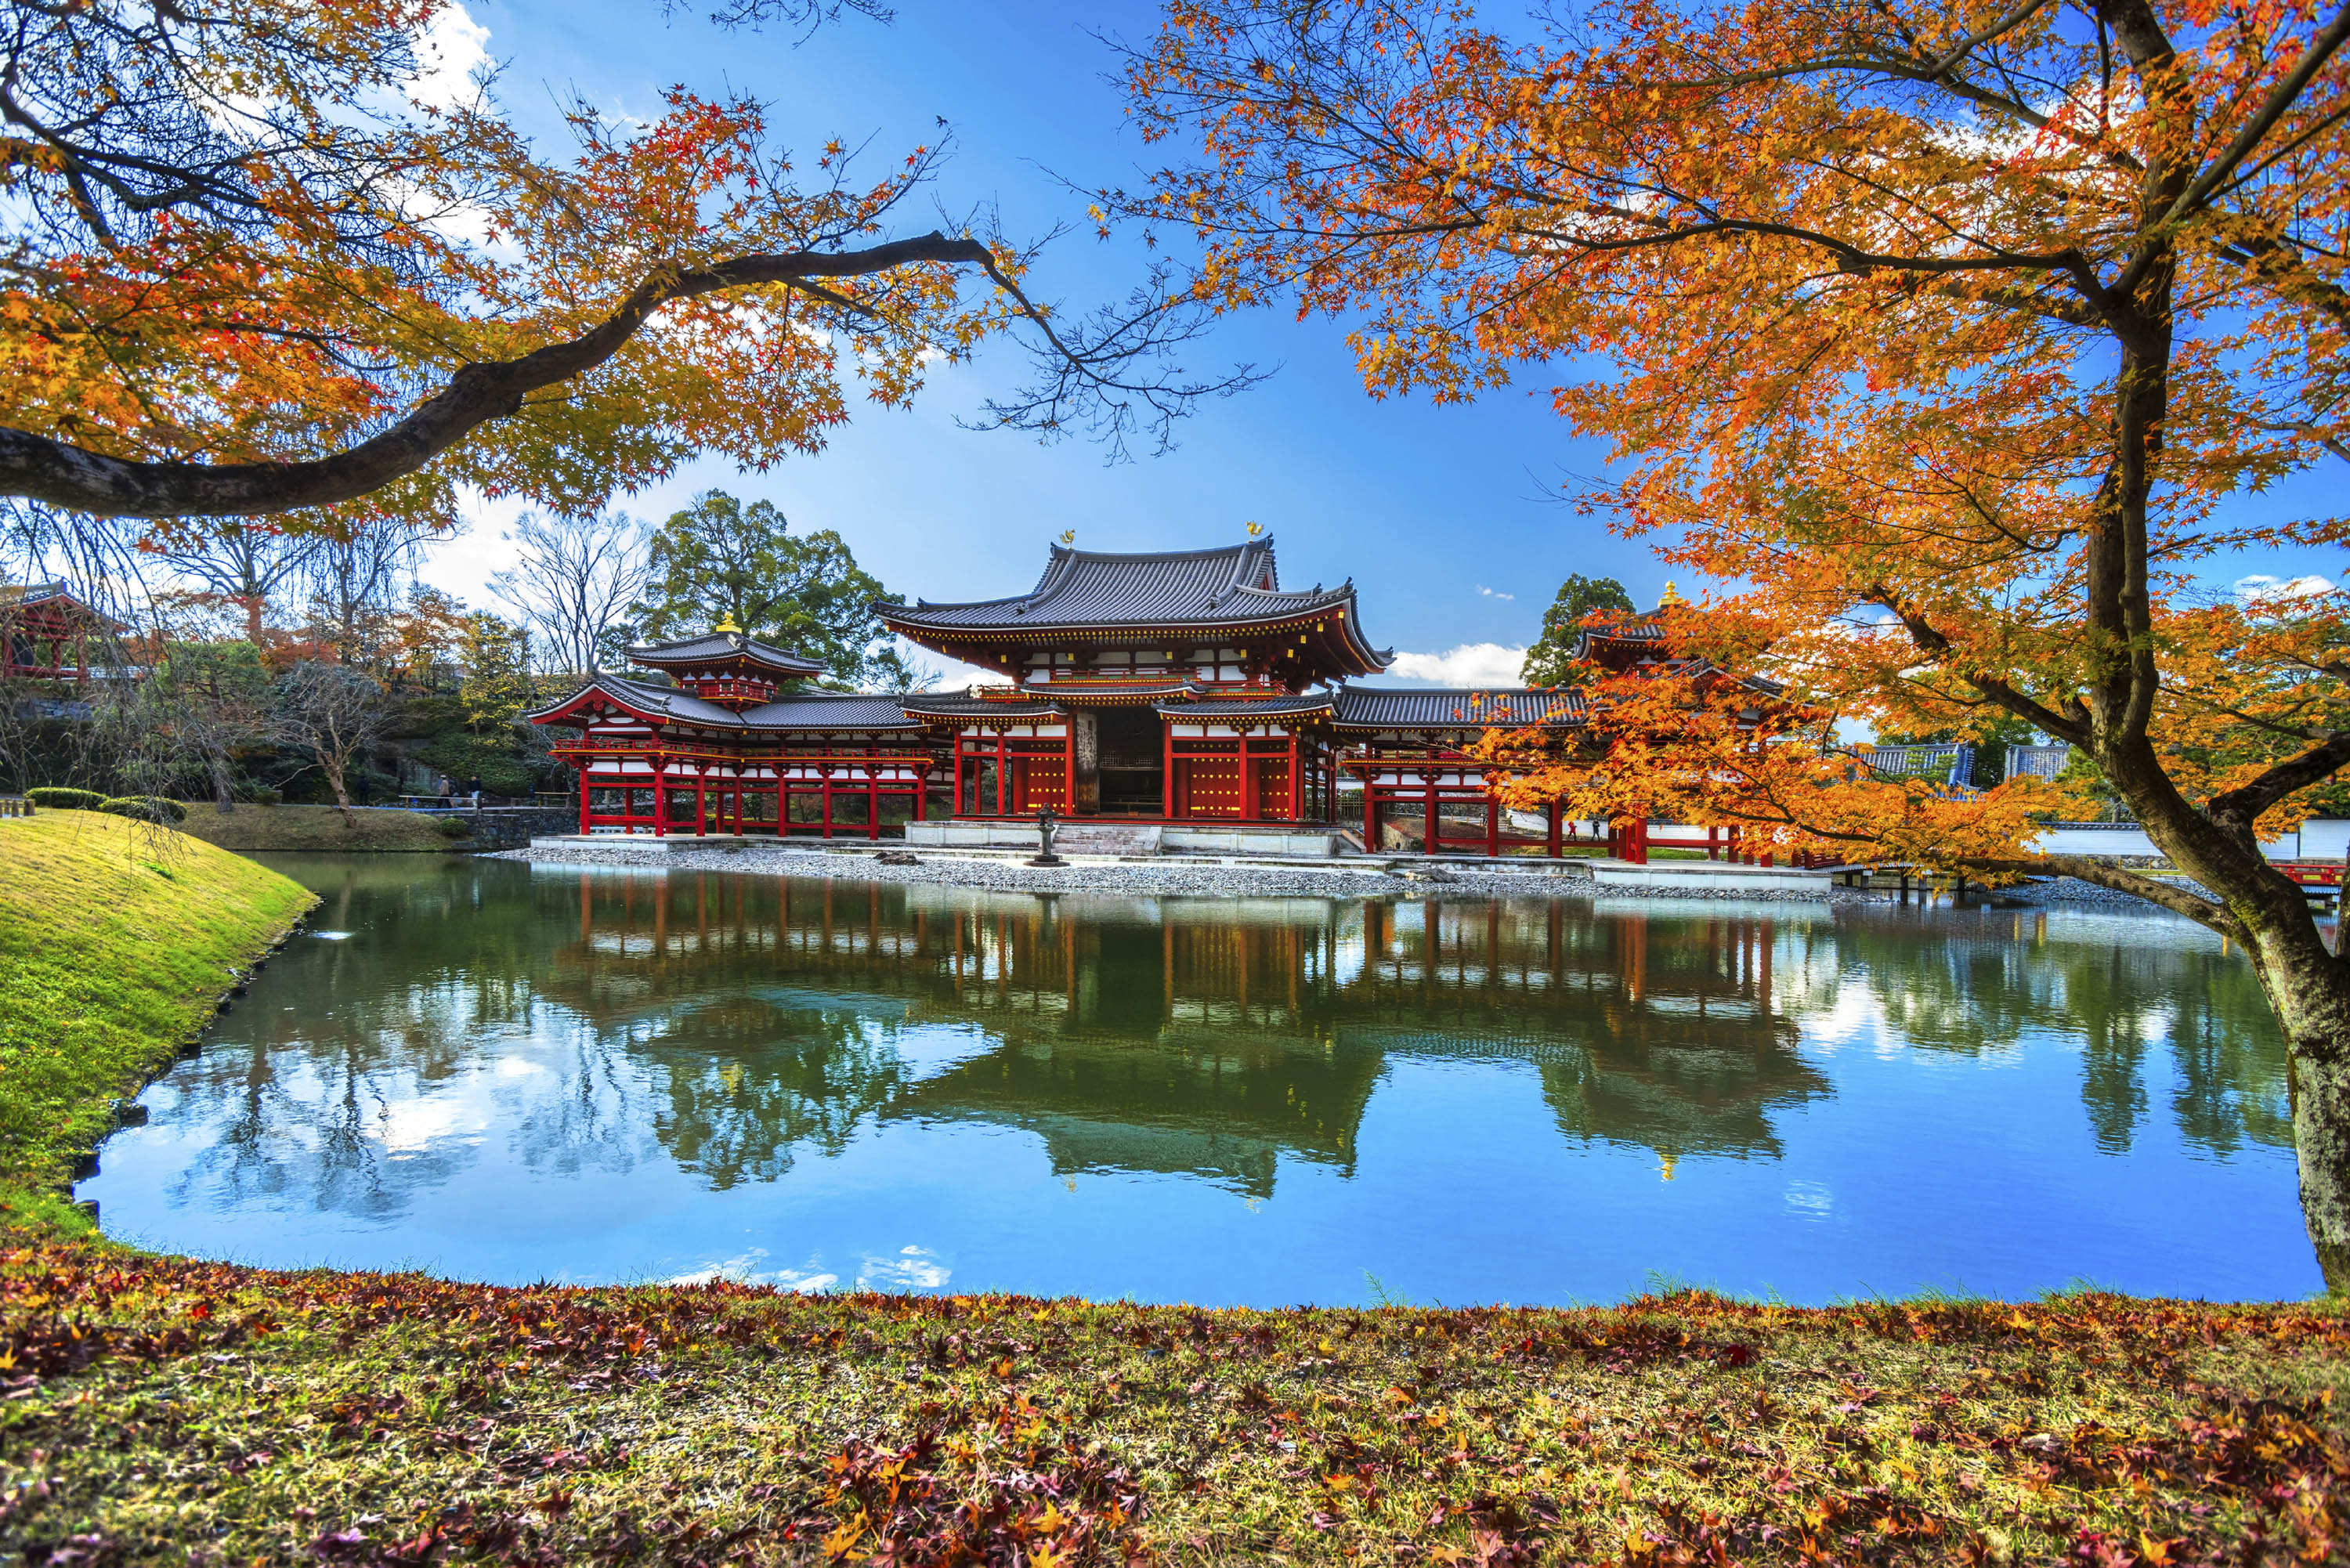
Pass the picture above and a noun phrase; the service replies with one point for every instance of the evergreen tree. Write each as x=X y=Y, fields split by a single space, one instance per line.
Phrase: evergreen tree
x=1549 y=662
x=720 y=559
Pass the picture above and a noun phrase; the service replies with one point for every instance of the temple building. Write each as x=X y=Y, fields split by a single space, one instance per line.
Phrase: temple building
x=1171 y=687
x=47 y=634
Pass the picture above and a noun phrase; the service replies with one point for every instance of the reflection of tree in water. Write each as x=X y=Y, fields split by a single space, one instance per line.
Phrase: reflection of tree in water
x=1980 y=980
x=1651 y=1031
x=726 y=1023
x=745 y=1081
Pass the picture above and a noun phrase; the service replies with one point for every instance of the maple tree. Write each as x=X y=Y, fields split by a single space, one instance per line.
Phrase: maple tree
x=249 y=273
x=1954 y=339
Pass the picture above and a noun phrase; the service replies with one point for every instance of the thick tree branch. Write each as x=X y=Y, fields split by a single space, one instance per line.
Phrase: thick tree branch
x=2153 y=889
x=61 y=474
x=2238 y=808
x=1929 y=640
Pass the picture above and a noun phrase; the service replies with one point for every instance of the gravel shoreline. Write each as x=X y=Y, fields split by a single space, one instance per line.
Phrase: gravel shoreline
x=1177 y=877
x=1166 y=876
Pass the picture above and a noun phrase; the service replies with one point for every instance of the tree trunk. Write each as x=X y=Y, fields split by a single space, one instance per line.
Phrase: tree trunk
x=2312 y=1004
x=342 y=797
x=223 y=800
x=2306 y=985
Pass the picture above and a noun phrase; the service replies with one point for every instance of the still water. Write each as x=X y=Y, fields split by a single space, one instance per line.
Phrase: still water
x=511 y=1073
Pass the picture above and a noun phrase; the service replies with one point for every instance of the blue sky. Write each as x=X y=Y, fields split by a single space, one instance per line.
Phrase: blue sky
x=1436 y=513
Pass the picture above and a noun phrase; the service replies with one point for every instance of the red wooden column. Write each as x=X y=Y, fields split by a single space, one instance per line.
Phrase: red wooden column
x=1551 y=815
x=1000 y=770
x=1492 y=827
x=1296 y=780
x=701 y=803
x=583 y=797
x=661 y=802
x=872 y=801
x=1069 y=766
x=1248 y=811
x=921 y=791
x=1165 y=768
x=1427 y=843
x=955 y=809
x=1370 y=811
x=824 y=771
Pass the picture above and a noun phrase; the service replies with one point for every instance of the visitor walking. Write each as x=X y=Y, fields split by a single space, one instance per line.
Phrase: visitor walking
x=473 y=788
x=443 y=789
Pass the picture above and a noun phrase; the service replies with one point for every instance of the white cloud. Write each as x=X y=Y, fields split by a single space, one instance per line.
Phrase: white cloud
x=744 y=1270
x=2260 y=586
x=449 y=52
x=1470 y=664
x=913 y=1269
x=1493 y=593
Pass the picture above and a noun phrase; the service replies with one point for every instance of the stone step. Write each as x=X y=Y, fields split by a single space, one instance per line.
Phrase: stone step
x=1107 y=839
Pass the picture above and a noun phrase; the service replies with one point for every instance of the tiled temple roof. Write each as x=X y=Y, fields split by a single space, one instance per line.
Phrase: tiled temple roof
x=1501 y=707
x=966 y=705
x=1234 y=584
x=807 y=711
x=727 y=645
x=1249 y=708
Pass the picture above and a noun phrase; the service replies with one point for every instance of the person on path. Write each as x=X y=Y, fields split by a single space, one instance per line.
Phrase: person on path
x=473 y=788
x=443 y=788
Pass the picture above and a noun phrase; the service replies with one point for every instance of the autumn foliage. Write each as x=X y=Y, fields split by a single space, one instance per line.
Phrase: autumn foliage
x=1957 y=341
x=371 y=1418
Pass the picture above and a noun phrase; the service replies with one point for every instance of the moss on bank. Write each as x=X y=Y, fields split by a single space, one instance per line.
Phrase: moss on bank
x=157 y=1409
x=116 y=938
x=320 y=828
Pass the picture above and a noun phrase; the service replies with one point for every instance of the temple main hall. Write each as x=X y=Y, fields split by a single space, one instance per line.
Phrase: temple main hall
x=1171 y=687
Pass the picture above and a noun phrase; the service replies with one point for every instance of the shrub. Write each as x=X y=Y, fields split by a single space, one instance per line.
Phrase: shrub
x=262 y=794
x=453 y=827
x=56 y=797
x=145 y=807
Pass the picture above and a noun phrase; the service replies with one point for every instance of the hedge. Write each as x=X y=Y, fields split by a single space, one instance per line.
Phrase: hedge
x=56 y=797
x=146 y=807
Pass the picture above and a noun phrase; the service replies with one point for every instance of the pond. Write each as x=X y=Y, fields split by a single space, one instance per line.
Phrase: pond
x=512 y=1072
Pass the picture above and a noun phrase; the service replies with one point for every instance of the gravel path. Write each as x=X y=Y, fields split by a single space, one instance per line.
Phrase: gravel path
x=1344 y=880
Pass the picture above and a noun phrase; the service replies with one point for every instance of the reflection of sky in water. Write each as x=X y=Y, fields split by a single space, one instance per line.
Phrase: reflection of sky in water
x=639 y=1076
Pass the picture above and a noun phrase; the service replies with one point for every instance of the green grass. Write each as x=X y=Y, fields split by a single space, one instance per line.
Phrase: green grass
x=158 y=1409
x=116 y=938
x=314 y=828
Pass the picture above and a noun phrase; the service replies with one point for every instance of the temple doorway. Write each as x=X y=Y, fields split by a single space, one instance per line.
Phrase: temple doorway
x=1133 y=750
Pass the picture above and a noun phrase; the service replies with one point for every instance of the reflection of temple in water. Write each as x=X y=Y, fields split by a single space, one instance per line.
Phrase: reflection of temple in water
x=730 y=1025
x=1191 y=1035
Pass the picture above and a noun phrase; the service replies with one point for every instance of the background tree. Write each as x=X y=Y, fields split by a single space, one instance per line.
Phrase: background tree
x=331 y=713
x=427 y=632
x=1961 y=332
x=496 y=690
x=215 y=699
x=574 y=580
x=720 y=559
x=1551 y=661
x=241 y=562
x=356 y=573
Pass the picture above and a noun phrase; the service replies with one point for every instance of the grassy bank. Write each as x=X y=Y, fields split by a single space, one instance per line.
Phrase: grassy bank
x=315 y=827
x=115 y=939
x=158 y=1409
x=159 y=1405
